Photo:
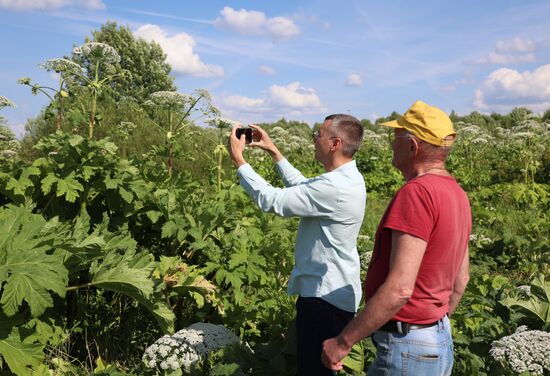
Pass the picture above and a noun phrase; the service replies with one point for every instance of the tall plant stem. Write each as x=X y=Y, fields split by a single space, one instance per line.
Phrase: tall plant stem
x=170 y=162
x=94 y=100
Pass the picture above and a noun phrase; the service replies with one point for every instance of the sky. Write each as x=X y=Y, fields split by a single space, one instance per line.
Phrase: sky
x=303 y=60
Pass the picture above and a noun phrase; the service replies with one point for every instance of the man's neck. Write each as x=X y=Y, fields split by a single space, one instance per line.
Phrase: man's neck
x=436 y=168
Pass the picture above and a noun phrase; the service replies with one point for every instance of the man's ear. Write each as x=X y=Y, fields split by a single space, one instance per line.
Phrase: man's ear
x=336 y=143
x=414 y=147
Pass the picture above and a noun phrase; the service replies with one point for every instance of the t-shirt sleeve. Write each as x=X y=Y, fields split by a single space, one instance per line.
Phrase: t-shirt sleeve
x=412 y=212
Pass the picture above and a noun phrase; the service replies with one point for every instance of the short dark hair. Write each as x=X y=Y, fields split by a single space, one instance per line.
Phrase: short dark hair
x=349 y=129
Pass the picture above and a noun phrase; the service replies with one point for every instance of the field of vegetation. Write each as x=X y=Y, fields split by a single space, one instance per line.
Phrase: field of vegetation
x=122 y=221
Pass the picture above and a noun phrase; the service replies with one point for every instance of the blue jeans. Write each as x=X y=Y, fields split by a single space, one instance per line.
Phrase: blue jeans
x=427 y=351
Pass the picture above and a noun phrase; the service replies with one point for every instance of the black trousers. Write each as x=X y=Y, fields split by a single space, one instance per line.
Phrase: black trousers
x=316 y=321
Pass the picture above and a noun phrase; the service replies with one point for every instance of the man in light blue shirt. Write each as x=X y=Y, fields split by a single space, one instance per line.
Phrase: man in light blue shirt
x=331 y=207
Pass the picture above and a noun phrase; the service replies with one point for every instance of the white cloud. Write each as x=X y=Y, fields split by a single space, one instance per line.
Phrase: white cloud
x=252 y=22
x=22 y=5
x=285 y=101
x=496 y=58
x=268 y=71
x=515 y=51
x=179 y=52
x=354 y=80
x=242 y=21
x=294 y=96
x=245 y=104
x=281 y=28
x=506 y=88
x=515 y=45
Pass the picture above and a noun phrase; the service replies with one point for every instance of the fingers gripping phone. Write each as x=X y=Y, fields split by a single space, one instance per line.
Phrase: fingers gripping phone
x=247 y=134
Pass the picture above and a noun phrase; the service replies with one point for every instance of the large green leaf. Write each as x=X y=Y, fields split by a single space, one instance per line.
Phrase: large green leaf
x=29 y=269
x=537 y=305
x=131 y=274
x=20 y=357
x=355 y=360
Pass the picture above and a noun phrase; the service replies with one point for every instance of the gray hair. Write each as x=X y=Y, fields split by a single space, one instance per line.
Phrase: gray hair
x=434 y=153
x=349 y=129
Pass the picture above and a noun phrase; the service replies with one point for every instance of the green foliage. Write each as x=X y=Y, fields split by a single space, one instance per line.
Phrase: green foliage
x=533 y=303
x=9 y=146
x=107 y=243
x=27 y=272
x=20 y=357
x=144 y=61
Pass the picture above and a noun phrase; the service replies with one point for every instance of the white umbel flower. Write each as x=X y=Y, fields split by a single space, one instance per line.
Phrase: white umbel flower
x=525 y=350
x=101 y=51
x=61 y=66
x=168 y=99
x=186 y=347
x=5 y=102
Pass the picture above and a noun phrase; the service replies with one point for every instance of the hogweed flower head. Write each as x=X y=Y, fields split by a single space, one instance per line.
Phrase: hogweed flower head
x=169 y=99
x=525 y=350
x=61 y=66
x=8 y=154
x=221 y=122
x=5 y=102
x=100 y=51
x=187 y=346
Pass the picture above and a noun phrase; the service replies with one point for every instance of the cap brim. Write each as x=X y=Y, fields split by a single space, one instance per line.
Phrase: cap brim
x=392 y=124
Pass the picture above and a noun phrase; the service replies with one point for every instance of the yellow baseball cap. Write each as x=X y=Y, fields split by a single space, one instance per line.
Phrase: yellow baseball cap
x=426 y=122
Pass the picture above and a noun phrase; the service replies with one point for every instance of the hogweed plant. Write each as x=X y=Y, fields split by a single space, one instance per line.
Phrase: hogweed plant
x=64 y=68
x=97 y=53
x=5 y=102
x=173 y=113
x=223 y=125
x=188 y=346
x=122 y=133
x=524 y=351
x=9 y=146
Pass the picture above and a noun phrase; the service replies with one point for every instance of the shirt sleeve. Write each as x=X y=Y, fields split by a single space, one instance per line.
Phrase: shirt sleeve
x=412 y=212
x=290 y=175
x=316 y=197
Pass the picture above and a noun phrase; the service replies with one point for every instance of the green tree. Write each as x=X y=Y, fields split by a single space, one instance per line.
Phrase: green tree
x=518 y=114
x=145 y=62
x=475 y=118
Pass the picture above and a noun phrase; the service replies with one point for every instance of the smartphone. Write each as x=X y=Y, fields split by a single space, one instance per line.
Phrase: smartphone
x=247 y=134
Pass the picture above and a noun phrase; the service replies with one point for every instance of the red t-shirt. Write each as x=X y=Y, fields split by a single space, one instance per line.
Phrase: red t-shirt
x=433 y=208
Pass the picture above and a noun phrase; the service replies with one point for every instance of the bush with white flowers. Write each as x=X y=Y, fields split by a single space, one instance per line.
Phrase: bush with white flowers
x=525 y=350
x=187 y=346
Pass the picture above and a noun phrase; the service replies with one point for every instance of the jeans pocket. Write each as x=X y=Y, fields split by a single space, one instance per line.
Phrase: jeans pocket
x=421 y=364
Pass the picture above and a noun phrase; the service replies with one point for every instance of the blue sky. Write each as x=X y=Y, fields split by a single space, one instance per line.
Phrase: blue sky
x=304 y=59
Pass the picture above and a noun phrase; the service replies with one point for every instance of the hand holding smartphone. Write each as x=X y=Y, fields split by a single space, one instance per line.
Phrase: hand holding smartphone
x=247 y=134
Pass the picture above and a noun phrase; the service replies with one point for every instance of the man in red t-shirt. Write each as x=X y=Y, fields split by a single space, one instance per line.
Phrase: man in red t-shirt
x=419 y=266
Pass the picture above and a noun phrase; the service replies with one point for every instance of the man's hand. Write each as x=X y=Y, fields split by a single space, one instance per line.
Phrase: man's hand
x=235 y=147
x=260 y=139
x=334 y=350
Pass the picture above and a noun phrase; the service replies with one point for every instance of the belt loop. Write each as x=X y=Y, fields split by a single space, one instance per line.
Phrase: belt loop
x=399 y=327
x=441 y=324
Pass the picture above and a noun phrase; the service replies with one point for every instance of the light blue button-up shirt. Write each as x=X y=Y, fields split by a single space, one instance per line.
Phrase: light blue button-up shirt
x=331 y=207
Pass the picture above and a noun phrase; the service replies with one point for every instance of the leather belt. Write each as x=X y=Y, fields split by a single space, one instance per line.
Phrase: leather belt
x=401 y=327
